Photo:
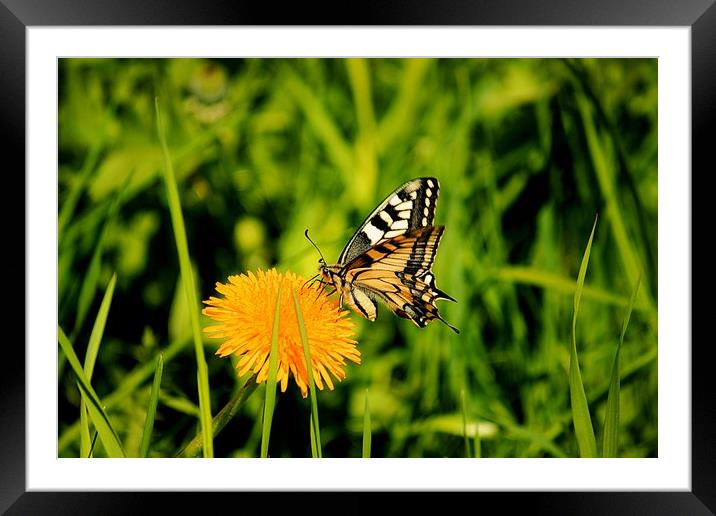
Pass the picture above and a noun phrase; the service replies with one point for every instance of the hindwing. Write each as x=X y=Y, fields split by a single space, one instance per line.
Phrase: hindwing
x=399 y=273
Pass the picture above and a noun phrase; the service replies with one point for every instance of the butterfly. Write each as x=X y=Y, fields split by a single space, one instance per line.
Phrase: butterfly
x=390 y=257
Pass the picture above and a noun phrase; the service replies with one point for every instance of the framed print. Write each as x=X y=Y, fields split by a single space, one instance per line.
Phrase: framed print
x=426 y=257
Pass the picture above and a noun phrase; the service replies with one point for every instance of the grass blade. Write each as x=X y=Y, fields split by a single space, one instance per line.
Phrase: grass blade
x=611 y=419
x=312 y=434
x=126 y=387
x=580 y=409
x=464 y=422
x=271 y=380
x=603 y=172
x=90 y=359
x=366 y=428
x=152 y=408
x=311 y=383
x=99 y=417
x=225 y=415
x=477 y=444
x=98 y=329
x=187 y=275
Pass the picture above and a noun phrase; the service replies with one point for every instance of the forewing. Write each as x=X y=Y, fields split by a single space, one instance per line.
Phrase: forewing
x=409 y=207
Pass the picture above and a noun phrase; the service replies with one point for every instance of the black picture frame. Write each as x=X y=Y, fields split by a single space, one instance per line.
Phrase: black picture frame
x=17 y=15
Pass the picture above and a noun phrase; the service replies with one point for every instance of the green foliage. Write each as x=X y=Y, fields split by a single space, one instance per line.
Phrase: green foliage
x=366 y=428
x=316 y=447
x=152 y=408
x=188 y=284
x=611 y=419
x=580 y=409
x=526 y=151
x=95 y=410
x=270 y=402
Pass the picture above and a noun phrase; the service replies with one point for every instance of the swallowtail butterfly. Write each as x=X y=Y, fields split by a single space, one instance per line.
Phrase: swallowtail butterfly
x=390 y=257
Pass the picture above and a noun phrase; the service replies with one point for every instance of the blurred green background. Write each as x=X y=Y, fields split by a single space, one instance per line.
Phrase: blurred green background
x=527 y=151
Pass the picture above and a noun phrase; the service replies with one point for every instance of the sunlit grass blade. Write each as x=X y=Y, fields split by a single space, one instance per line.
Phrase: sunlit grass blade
x=580 y=409
x=99 y=417
x=611 y=419
x=90 y=359
x=152 y=408
x=464 y=422
x=225 y=415
x=366 y=428
x=271 y=381
x=311 y=382
x=187 y=276
x=98 y=328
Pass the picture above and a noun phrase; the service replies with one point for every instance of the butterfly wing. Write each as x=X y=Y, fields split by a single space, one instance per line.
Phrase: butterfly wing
x=410 y=206
x=399 y=273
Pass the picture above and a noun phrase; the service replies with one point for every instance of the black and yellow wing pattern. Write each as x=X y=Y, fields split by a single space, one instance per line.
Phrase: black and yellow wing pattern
x=390 y=257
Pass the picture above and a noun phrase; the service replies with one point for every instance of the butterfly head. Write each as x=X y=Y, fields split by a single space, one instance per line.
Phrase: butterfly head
x=326 y=271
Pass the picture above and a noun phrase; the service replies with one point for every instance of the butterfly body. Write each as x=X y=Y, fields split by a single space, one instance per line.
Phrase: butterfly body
x=389 y=258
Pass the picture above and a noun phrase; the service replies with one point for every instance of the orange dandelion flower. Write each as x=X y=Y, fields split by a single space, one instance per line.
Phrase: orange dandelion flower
x=245 y=315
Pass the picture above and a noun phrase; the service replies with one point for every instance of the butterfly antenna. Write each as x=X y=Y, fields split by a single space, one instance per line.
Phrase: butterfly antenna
x=322 y=260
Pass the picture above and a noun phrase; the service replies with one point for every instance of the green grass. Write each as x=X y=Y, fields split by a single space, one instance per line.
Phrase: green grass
x=580 y=409
x=463 y=406
x=152 y=408
x=91 y=358
x=611 y=420
x=270 y=401
x=315 y=427
x=187 y=279
x=244 y=155
x=96 y=412
x=225 y=415
x=367 y=431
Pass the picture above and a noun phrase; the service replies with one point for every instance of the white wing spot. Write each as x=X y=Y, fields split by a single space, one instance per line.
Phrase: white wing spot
x=414 y=195
x=425 y=221
x=407 y=205
x=373 y=233
x=429 y=192
x=428 y=278
x=404 y=214
x=399 y=224
x=427 y=201
x=391 y=234
x=394 y=200
x=426 y=211
x=384 y=215
x=430 y=183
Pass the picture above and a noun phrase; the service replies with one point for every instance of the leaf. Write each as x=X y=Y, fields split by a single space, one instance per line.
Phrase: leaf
x=580 y=409
x=611 y=419
x=99 y=417
x=271 y=380
x=152 y=408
